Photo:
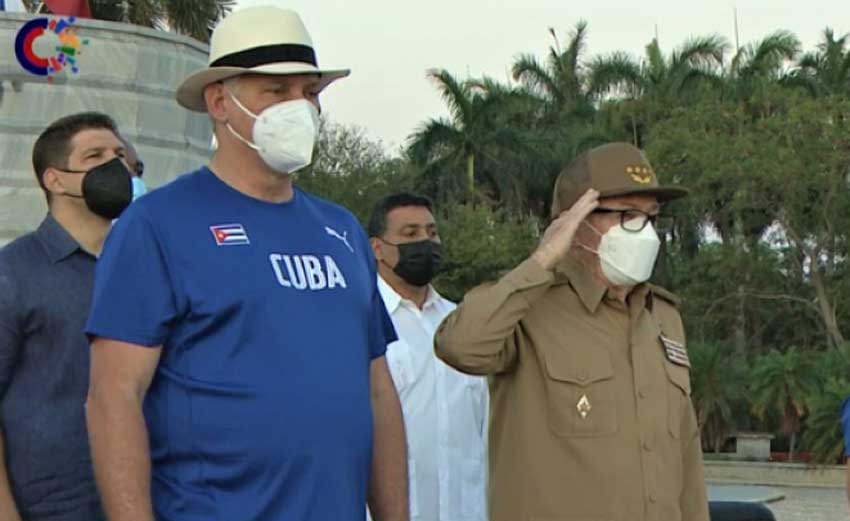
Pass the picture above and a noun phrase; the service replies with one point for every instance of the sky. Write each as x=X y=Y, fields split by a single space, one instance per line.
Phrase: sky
x=391 y=44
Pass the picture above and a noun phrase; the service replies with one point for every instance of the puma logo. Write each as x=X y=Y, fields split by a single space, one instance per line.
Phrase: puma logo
x=335 y=234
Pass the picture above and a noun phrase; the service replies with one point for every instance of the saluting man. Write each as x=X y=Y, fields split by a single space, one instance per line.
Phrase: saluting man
x=591 y=416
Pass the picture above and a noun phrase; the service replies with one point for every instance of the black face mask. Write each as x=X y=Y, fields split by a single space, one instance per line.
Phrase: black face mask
x=107 y=188
x=418 y=262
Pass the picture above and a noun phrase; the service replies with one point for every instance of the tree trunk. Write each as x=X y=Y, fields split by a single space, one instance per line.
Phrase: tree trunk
x=740 y=333
x=718 y=436
x=834 y=337
x=792 y=447
x=740 y=327
x=827 y=311
x=470 y=174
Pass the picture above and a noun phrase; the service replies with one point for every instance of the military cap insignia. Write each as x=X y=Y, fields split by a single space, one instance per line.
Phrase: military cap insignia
x=675 y=351
x=639 y=174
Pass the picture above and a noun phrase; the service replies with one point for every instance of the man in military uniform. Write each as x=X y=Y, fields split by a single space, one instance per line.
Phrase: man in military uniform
x=591 y=417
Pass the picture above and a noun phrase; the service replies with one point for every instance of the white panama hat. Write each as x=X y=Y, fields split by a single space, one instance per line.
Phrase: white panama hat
x=256 y=40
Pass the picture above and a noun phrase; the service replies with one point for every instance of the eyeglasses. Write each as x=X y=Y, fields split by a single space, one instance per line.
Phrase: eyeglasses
x=635 y=220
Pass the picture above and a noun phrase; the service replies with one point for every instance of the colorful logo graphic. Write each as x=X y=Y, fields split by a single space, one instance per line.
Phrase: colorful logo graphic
x=66 y=53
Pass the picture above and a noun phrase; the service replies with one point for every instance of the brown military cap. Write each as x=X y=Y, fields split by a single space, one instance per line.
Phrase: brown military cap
x=613 y=169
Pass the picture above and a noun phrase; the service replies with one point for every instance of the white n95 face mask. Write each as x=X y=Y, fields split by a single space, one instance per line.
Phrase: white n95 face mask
x=284 y=134
x=627 y=258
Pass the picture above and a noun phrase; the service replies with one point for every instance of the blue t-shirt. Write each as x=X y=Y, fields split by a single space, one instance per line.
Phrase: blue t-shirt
x=269 y=316
x=845 y=425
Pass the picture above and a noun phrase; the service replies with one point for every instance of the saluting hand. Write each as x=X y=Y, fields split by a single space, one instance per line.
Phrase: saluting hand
x=558 y=236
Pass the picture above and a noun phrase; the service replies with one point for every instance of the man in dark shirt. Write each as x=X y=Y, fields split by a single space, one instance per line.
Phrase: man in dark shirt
x=46 y=280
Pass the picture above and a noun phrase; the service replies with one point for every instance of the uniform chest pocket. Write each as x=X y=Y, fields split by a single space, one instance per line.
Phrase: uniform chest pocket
x=580 y=392
x=678 y=395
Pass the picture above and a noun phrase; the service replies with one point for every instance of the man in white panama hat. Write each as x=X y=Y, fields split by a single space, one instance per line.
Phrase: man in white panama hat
x=238 y=335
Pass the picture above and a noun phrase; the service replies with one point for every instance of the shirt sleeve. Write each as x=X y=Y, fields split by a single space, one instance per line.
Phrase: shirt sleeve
x=479 y=336
x=134 y=298
x=694 y=498
x=10 y=326
x=381 y=330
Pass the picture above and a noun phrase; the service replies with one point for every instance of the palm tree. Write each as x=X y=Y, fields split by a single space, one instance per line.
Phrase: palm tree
x=762 y=63
x=482 y=126
x=567 y=111
x=781 y=384
x=823 y=426
x=561 y=80
x=195 y=18
x=658 y=76
x=657 y=84
x=823 y=435
x=826 y=71
x=717 y=382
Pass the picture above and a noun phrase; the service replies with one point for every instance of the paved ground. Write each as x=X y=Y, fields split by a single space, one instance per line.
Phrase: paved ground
x=811 y=504
x=745 y=493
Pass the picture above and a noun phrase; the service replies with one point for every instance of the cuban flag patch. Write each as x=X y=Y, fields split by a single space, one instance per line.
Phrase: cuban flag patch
x=230 y=235
x=675 y=351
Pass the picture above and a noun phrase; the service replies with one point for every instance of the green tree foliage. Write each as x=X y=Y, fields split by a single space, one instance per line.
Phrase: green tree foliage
x=353 y=170
x=481 y=244
x=717 y=381
x=781 y=383
x=773 y=189
x=759 y=251
x=483 y=151
x=823 y=436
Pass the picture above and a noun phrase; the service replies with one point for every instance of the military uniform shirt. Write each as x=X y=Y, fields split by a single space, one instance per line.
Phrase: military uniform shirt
x=591 y=417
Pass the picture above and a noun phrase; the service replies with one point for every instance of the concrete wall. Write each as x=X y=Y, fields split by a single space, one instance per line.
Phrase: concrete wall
x=128 y=72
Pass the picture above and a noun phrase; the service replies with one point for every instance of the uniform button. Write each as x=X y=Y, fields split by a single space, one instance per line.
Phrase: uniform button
x=582 y=377
x=646 y=446
x=652 y=498
x=642 y=394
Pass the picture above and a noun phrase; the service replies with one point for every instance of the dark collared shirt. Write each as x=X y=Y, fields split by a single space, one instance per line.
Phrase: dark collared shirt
x=46 y=283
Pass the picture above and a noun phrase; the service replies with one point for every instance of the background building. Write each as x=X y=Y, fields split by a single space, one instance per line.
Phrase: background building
x=126 y=71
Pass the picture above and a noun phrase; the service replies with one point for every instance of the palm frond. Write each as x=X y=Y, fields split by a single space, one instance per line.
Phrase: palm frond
x=574 y=51
x=823 y=434
x=433 y=139
x=615 y=72
x=766 y=58
x=655 y=65
x=455 y=93
x=149 y=13
x=694 y=77
x=112 y=11
x=811 y=61
x=701 y=51
x=196 y=18
x=800 y=79
x=532 y=74
x=570 y=65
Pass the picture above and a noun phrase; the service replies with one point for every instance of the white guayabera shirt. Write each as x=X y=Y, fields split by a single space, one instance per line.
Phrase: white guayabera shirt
x=445 y=415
